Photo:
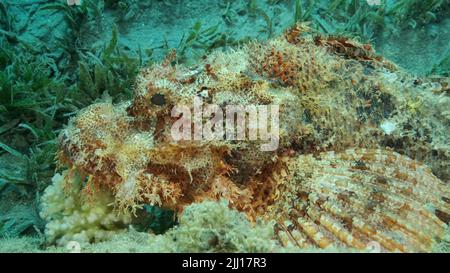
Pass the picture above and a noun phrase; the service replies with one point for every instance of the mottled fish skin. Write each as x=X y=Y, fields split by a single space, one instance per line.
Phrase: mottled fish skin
x=360 y=196
x=334 y=94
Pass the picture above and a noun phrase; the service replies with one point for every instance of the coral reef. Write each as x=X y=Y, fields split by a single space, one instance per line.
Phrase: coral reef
x=203 y=227
x=333 y=94
x=72 y=216
x=213 y=227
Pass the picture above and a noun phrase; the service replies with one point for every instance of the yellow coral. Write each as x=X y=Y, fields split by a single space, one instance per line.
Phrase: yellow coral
x=71 y=216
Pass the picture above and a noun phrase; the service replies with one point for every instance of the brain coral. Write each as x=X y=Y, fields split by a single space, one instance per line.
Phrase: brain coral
x=334 y=94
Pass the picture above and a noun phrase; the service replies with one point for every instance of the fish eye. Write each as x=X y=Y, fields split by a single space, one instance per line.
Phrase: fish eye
x=158 y=99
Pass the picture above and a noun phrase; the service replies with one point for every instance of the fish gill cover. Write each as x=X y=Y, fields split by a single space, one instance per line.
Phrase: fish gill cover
x=259 y=126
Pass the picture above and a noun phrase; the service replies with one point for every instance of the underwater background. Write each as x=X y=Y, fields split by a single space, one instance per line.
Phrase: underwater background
x=59 y=57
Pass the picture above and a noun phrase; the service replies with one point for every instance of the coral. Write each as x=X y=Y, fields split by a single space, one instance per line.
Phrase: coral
x=213 y=227
x=203 y=227
x=333 y=94
x=71 y=217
